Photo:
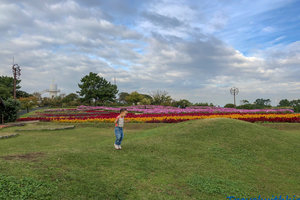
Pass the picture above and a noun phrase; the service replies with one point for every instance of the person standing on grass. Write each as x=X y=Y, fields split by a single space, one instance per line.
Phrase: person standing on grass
x=119 y=124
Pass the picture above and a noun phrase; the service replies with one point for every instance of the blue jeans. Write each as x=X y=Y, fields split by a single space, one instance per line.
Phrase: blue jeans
x=119 y=135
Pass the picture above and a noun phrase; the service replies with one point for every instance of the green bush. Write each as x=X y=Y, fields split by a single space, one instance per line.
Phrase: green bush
x=245 y=106
x=229 y=105
x=253 y=106
x=11 y=110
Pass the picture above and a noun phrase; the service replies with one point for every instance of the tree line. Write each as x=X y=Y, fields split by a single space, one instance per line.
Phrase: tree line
x=266 y=103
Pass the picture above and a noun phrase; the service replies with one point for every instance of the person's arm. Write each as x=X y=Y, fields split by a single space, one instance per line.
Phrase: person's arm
x=116 y=120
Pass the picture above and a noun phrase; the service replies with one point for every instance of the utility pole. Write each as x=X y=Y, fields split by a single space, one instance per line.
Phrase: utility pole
x=16 y=73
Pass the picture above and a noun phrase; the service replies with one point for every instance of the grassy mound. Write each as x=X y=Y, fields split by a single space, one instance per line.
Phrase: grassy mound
x=203 y=159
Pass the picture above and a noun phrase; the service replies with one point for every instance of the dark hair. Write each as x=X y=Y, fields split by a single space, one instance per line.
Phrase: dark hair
x=123 y=110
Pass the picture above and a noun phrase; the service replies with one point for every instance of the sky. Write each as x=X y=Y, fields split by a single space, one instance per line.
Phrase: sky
x=195 y=50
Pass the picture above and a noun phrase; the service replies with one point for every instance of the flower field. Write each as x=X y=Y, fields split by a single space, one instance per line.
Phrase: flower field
x=162 y=114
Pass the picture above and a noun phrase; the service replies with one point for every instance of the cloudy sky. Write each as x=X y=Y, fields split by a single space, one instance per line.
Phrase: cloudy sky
x=195 y=50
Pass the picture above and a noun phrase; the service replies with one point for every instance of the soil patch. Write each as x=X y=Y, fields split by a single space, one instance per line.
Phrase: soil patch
x=47 y=128
x=27 y=157
x=7 y=135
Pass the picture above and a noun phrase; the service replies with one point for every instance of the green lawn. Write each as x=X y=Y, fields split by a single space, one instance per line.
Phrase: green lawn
x=202 y=159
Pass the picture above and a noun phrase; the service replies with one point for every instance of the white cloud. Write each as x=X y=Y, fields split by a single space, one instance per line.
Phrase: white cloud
x=268 y=29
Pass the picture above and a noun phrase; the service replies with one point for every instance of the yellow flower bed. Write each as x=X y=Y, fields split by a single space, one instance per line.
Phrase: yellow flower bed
x=182 y=118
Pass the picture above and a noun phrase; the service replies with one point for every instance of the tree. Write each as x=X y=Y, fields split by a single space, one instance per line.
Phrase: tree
x=96 y=88
x=296 y=105
x=21 y=93
x=122 y=97
x=52 y=102
x=145 y=101
x=284 y=103
x=147 y=96
x=71 y=99
x=28 y=102
x=161 y=98
x=263 y=102
x=7 y=86
x=5 y=93
x=56 y=101
x=45 y=101
x=37 y=95
x=244 y=102
x=134 y=98
x=183 y=103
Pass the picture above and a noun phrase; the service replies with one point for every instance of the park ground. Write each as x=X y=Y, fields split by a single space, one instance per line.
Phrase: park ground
x=201 y=159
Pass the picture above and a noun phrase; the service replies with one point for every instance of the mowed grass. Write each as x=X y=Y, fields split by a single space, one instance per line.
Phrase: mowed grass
x=202 y=159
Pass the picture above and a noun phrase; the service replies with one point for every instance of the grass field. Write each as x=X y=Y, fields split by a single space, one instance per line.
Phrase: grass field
x=202 y=159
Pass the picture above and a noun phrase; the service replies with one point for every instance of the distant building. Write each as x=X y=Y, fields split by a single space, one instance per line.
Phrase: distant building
x=53 y=91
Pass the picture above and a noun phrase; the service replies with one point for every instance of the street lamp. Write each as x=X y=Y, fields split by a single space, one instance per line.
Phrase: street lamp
x=234 y=91
x=17 y=73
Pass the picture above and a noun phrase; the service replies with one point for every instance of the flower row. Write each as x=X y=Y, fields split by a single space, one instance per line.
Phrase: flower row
x=171 y=118
x=194 y=109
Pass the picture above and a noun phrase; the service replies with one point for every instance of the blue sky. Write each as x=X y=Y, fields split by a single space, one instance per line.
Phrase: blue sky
x=262 y=30
x=196 y=50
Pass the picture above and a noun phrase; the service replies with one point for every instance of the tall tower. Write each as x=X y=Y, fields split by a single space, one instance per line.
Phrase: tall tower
x=53 y=91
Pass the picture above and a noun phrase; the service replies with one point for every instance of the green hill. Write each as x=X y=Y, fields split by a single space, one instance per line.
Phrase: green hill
x=202 y=159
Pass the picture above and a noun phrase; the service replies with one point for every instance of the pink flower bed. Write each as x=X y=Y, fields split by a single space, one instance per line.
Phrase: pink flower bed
x=194 y=109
